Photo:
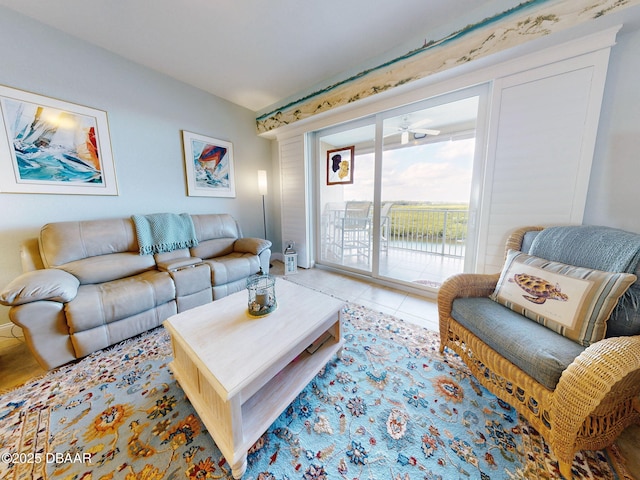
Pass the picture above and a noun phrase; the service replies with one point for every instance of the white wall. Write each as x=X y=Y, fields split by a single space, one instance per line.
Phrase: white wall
x=614 y=188
x=147 y=113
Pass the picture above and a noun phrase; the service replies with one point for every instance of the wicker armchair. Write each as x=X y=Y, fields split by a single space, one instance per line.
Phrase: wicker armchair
x=595 y=399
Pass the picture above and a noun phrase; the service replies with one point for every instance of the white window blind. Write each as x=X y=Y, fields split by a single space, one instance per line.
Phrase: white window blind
x=544 y=124
x=294 y=195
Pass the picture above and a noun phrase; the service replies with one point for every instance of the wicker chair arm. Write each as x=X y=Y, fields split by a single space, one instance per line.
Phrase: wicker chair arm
x=463 y=285
x=607 y=371
x=514 y=242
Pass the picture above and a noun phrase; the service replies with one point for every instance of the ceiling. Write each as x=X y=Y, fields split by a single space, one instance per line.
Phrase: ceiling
x=255 y=53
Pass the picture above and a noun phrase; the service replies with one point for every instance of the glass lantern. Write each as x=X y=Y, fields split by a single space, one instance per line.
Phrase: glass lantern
x=290 y=258
x=262 y=294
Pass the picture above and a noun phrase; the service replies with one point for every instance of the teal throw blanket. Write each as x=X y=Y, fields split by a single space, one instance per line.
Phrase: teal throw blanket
x=164 y=232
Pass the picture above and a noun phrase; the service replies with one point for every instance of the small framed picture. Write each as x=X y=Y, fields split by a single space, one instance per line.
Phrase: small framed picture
x=340 y=166
x=209 y=166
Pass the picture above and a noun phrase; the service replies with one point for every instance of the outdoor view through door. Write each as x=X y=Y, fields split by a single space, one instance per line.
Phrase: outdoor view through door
x=397 y=207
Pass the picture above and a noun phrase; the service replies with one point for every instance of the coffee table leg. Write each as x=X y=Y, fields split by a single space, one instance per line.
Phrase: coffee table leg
x=238 y=469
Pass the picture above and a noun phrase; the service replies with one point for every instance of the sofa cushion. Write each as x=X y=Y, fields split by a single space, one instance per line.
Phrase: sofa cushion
x=213 y=248
x=573 y=301
x=105 y=268
x=109 y=302
x=216 y=234
x=102 y=336
x=94 y=251
x=538 y=351
x=50 y=284
x=65 y=242
x=232 y=267
x=215 y=225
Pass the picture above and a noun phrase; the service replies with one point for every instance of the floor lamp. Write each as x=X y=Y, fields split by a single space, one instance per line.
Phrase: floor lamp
x=262 y=190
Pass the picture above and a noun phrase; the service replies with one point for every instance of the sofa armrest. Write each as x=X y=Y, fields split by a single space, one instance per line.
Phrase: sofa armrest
x=48 y=284
x=251 y=245
x=607 y=371
x=30 y=255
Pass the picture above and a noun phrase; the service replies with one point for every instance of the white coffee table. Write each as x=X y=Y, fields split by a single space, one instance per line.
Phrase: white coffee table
x=241 y=372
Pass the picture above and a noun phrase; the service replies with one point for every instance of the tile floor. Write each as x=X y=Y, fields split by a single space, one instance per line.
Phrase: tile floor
x=404 y=264
x=18 y=366
x=410 y=307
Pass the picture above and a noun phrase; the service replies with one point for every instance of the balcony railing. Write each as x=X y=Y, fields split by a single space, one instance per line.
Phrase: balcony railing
x=439 y=231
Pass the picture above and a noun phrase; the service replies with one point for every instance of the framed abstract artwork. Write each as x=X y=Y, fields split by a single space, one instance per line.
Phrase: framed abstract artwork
x=340 y=166
x=52 y=146
x=209 y=166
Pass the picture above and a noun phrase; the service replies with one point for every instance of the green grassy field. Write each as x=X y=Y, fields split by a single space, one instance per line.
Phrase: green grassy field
x=428 y=222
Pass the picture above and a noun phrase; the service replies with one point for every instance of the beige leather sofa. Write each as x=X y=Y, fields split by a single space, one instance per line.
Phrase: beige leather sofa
x=86 y=286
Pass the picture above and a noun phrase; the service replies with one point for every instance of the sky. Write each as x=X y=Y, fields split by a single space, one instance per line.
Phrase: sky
x=437 y=172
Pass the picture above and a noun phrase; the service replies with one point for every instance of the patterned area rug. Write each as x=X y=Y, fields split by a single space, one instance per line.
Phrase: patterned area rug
x=391 y=407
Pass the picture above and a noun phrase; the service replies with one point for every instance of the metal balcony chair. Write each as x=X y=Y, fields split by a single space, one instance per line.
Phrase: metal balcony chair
x=385 y=226
x=353 y=231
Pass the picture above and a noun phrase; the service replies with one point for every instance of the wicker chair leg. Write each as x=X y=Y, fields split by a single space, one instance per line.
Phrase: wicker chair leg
x=565 y=468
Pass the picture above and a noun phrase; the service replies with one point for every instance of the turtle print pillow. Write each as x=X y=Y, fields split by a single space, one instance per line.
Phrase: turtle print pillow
x=573 y=301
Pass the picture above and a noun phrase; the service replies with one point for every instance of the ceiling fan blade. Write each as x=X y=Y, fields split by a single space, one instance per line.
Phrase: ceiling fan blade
x=420 y=123
x=426 y=131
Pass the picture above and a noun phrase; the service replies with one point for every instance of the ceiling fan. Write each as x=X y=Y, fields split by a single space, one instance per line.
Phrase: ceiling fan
x=406 y=128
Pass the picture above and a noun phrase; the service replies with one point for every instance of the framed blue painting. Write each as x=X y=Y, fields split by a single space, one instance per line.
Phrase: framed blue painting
x=209 y=166
x=52 y=146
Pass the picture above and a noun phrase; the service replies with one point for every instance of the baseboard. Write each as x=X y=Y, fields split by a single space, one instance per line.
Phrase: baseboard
x=7 y=330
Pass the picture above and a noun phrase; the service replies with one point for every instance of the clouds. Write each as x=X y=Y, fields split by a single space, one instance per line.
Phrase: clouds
x=438 y=172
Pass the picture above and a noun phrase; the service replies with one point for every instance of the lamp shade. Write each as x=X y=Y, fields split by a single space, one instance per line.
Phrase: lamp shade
x=262 y=182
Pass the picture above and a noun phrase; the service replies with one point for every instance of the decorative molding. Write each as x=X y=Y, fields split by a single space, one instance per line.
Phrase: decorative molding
x=527 y=21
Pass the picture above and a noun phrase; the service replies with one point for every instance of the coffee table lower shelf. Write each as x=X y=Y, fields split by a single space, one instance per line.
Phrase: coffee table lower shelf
x=236 y=423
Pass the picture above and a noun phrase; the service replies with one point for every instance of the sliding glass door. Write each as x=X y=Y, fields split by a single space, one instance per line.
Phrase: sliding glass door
x=395 y=191
x=426 y=172
x=346 y=190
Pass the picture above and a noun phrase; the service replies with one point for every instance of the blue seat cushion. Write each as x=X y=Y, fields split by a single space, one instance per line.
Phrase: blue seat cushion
x=538 y=351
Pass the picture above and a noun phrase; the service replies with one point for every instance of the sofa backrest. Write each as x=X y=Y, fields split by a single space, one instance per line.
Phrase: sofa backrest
x=216 y=234
x=97 y=251
x=94 y=251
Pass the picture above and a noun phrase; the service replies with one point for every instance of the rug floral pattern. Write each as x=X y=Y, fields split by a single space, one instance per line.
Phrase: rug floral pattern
x=391 y=406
